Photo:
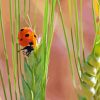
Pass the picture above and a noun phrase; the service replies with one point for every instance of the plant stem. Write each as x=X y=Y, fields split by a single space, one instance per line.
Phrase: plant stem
x=82 y=36
x=24 y=8
x=77 y=27
x=4 y=90
x=78 y=68
x=29 y=8
x=6 y=55
x=13 y=48
x=67 y=45
x=18 y=15
x=18 y=69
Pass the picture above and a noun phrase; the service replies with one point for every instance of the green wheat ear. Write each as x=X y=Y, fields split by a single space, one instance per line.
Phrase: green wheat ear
x=34 y=79
x=89 y=69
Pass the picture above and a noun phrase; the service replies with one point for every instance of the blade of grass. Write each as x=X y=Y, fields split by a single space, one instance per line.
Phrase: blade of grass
x=94 y=25
x=44 y=45
x=67 y=45
x=13 y=48
x=18 y=26
x=18 y=55
x=71 y=21
x=70 y=10
x=20 y=73
x=35 y=15
x=29 y=8
x=49 y=39
x=77 y=37
x=50 y=35
x=82 y=35
x=18 y=15
x=6 y=55
x=18 y=70
x=16 y=19
x=78 y=68
x=51 y=30
x=2 y=81
x=24 y=8
x=94 y=17
x=15 y=8
x=77 y=28
x=45 y=31
x=76 y=64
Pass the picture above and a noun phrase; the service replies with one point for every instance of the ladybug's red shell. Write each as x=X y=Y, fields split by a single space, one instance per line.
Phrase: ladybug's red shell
x=26 y=36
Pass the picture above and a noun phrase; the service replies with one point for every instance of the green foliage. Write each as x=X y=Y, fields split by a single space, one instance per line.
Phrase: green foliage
x=34 y=77
x=91 y=76
x=36 y=65
x=26 y=90
x=82 y=98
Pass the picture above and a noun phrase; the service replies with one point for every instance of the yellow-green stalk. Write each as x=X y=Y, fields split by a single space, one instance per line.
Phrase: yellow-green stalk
x=36 y=65
x=5 y=50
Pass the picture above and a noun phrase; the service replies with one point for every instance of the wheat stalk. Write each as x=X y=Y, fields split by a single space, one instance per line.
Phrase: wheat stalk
x=89 y=70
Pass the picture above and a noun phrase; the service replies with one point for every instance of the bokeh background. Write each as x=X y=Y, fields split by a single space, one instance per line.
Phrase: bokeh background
x=59 y=85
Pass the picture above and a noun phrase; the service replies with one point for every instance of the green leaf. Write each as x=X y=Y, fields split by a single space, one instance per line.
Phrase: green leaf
x=32 y=60
x=51 y=29
x=26 y=90
x=22 y=97
x=67 y=45
x=82 y=98
x=97 y=46
x=28 y=74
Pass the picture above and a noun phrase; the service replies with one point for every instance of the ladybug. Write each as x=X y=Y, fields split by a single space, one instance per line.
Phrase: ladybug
x=27 y=39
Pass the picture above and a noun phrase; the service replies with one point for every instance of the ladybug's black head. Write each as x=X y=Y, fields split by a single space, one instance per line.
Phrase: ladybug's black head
x=21 y=29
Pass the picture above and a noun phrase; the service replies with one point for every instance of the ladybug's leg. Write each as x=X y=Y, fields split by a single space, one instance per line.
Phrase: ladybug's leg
x=28 y=53
x=24 y=52
x=28 y=50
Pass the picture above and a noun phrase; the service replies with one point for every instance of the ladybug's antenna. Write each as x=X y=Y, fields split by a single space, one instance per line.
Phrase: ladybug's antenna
x=19 y=50
x=26 y=22
x=29 y=20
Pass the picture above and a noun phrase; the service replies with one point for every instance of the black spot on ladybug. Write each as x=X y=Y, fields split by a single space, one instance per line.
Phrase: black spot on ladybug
x=31 y=43
x=35 y=36
x=21 y=29
x=26 y=35
x=21 y=39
